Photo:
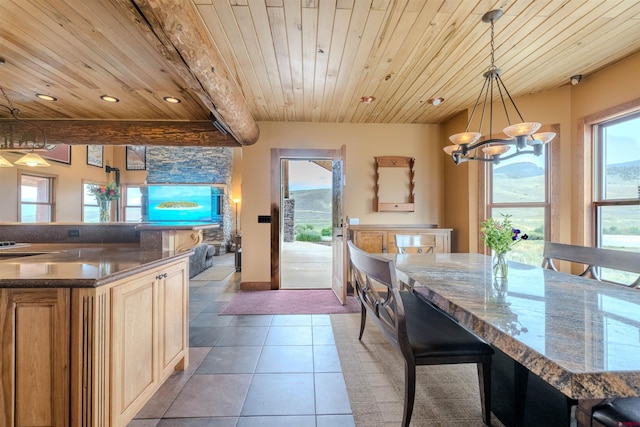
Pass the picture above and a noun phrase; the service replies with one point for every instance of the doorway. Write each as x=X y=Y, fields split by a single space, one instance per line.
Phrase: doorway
x=279 y=184
x=305 y=224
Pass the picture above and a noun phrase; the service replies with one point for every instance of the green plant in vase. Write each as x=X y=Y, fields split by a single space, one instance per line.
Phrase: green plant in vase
x=499 y=236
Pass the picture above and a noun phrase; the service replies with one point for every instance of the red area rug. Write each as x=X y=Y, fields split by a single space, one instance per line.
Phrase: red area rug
x=289 y=302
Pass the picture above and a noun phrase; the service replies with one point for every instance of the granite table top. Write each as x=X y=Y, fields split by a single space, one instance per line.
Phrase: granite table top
x=76 y=266
x=580 y=335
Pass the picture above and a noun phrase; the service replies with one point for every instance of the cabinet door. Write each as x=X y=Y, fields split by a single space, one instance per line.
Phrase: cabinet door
x=370 y=241
x=173 y=290
x=34 y=334
x=134 y=345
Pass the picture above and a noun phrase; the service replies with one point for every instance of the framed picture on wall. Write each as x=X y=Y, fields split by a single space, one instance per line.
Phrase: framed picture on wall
x=94 y=155
x=56 y=152
x=136 y=157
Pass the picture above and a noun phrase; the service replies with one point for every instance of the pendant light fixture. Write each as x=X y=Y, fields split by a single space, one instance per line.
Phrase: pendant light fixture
x=12 y=140
x=472 y=145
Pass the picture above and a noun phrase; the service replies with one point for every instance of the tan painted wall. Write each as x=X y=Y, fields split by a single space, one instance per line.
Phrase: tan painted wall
x=69 y=181
x=363 y=142
x=236 y=189
x=456 y=189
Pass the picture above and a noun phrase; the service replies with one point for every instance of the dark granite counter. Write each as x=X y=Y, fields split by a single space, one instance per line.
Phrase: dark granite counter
x=577 y=334
x=76 y=266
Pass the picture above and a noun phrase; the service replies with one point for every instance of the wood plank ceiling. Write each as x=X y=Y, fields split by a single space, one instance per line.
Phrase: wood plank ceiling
x=292 y=60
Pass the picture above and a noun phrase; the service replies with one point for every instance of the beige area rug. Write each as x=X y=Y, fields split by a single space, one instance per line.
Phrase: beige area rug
x=222 y=267
x=374 y=375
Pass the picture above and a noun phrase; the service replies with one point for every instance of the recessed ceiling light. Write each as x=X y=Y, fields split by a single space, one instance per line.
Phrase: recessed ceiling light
x=367 y=99
x=46 y=97
x=171 y=100
x=436 y=101
x=109 y=98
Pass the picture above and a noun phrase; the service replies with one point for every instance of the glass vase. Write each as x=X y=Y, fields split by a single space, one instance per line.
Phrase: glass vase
x=105 y=210
x=500 y=266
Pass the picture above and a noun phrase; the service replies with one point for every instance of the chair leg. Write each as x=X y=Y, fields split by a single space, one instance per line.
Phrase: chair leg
x=484 y=380
x=409 y=391
x=363 y=319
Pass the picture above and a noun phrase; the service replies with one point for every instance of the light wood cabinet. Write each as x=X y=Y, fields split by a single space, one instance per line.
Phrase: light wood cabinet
x=90 y=357
x=149 y=330
x=381 y=238
x=174 y=320
x=34 y=356
x=134 y=346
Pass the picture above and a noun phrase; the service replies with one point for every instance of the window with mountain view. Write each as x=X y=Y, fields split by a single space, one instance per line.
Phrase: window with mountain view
x=519 y=187
x=617 y=188
x=36 y=198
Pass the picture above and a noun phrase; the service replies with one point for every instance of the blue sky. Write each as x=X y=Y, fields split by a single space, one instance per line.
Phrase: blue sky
x=626 y=144
x=305 y=175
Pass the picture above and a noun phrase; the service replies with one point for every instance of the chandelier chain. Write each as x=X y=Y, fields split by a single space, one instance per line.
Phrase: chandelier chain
x=492 y=48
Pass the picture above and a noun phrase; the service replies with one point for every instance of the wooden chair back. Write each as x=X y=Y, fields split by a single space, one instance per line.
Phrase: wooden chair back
x=376 y=287
x=593 y=258
x=414 y=243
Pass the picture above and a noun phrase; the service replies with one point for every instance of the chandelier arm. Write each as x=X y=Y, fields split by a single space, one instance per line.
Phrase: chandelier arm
x=480 y=144
x=485 y=88
x=515 y=107
x=500 y=85
x=475 y=106
x=491 y=109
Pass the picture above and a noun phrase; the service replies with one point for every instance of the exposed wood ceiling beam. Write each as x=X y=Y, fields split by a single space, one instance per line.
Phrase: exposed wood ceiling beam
x=105 y=132
x=177 y=31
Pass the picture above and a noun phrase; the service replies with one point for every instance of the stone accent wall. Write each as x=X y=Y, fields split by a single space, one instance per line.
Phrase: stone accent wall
x=289 y=220
x=195 y=165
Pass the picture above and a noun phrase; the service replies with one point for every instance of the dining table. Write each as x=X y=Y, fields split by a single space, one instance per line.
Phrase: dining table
x=578 y=337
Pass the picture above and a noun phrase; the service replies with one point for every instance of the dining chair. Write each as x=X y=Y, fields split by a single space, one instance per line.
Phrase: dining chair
x=593 y=258
x=414 y=243
x=422 y=333
x=617 y=412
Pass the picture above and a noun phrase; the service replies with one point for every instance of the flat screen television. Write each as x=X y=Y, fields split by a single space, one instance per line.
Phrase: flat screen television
x=181 y=203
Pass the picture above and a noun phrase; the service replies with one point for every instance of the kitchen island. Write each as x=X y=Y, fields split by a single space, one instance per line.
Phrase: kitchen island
x=88 y=332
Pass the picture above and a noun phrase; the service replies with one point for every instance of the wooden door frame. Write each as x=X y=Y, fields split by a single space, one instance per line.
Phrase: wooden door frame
x=277 y=154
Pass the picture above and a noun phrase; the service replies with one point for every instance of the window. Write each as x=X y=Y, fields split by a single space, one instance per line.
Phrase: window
x=520 y=187
x=36 y=198
x=132 y=203
x=90 y=209
x=617 y=188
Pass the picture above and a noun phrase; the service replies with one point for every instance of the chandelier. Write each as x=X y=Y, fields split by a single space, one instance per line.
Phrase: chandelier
x=13 y=140
x=467 y=145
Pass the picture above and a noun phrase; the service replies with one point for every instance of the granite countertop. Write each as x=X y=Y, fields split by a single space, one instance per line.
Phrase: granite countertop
x=578 y=334
x=76 y=265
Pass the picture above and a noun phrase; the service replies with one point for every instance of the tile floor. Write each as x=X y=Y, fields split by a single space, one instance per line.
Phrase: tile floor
x=257 y=371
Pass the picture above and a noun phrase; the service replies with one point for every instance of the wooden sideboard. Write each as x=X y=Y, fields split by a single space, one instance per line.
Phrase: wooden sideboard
x=376 y=238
